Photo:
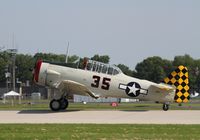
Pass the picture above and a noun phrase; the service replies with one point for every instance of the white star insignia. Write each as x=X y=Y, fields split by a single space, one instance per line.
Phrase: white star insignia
x=133 y=89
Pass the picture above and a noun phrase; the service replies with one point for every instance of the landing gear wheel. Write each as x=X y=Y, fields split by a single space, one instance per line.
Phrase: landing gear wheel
x=64 y=103
x=55 y=105
x=165 y=107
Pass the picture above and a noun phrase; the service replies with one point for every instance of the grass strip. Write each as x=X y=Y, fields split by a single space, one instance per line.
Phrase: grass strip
x=98 y=131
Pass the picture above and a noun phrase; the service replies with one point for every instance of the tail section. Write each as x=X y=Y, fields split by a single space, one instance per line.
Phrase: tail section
x=179 y=78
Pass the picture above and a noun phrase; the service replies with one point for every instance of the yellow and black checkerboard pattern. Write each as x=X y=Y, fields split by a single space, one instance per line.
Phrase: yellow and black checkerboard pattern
x=179 y=78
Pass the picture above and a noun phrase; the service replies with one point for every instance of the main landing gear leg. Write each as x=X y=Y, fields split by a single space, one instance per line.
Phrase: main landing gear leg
x=60 y=104
x=165 y=106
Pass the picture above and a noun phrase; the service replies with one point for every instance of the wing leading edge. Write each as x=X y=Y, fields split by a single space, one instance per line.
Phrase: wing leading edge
x=73 y=87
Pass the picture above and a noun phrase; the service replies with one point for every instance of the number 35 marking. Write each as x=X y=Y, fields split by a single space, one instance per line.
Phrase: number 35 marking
x=105 y=82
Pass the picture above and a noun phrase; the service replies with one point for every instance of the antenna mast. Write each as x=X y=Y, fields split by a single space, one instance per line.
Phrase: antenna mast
x=67 y=53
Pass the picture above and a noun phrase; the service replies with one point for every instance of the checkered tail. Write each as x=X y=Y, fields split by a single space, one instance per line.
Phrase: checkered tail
x=179 y=78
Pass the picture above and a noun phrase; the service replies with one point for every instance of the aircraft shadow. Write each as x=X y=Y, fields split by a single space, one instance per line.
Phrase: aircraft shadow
x=138 y=108
x=134 y=110
x=44 y=111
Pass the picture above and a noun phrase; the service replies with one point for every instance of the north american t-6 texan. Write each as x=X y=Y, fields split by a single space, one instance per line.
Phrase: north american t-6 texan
x=97 y=79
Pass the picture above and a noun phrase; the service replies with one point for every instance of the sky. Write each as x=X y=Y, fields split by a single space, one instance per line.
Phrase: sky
x=127 y=30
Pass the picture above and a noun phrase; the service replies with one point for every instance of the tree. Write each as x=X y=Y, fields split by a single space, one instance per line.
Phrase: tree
x=194 y=75
x=125 y=69
x=49 y=57
x=55 y=57
x=23 y=65
x=185 y=60
x=4 y=65
x=73 y=58
x=103 y=58
x=151 y=69
x=190 y=63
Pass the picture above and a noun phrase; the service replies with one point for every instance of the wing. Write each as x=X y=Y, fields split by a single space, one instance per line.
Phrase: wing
x=73 y=87
x=163 y=92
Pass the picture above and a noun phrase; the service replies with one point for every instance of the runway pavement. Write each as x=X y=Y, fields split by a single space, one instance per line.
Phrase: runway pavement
x=102 y=117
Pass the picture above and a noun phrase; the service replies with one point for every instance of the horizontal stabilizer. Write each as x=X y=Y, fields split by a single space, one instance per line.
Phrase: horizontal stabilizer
x=162 y=92
x=164 y=87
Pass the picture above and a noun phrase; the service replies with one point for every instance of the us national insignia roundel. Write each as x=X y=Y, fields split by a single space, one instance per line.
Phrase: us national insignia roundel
x=133 y=89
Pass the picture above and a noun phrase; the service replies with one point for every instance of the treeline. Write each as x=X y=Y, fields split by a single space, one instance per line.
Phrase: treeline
x=152 y=68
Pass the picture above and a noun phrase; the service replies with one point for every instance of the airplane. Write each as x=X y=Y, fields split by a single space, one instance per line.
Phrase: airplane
x=96 y=79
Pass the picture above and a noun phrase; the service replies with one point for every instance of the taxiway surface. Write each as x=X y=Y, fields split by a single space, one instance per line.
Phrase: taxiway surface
x=102 y=117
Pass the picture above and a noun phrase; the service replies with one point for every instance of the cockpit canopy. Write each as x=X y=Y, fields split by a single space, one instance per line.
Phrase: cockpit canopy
x=100 y=67
x=91 y=65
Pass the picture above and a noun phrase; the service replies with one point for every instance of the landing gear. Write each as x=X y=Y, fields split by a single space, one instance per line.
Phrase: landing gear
x=165 y=106
x=64 y=103
x=55 y=105
x=60 y=104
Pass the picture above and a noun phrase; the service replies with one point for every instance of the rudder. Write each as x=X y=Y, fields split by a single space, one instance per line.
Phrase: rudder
x=180 y=79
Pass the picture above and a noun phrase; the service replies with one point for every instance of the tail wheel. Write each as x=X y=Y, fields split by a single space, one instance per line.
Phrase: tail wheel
x=55 y=105
x=64 y=103
x=165 y=107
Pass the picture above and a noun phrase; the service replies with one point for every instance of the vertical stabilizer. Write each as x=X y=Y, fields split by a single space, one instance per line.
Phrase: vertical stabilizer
x=180 y=79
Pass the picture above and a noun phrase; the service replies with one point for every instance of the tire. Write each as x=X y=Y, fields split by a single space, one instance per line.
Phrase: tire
x=55 y=105
x=64 y=103
x=165 y=107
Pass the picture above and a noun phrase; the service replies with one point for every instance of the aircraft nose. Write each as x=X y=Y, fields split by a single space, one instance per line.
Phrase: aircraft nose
x=36 y=70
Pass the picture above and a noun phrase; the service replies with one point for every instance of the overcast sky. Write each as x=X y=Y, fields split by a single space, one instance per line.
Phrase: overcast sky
x=126 y=30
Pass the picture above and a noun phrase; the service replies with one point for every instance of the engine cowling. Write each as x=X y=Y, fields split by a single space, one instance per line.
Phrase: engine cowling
x=40 y=72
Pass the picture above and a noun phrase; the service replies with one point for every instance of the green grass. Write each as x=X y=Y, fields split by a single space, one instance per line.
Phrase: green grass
x=98 y=131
